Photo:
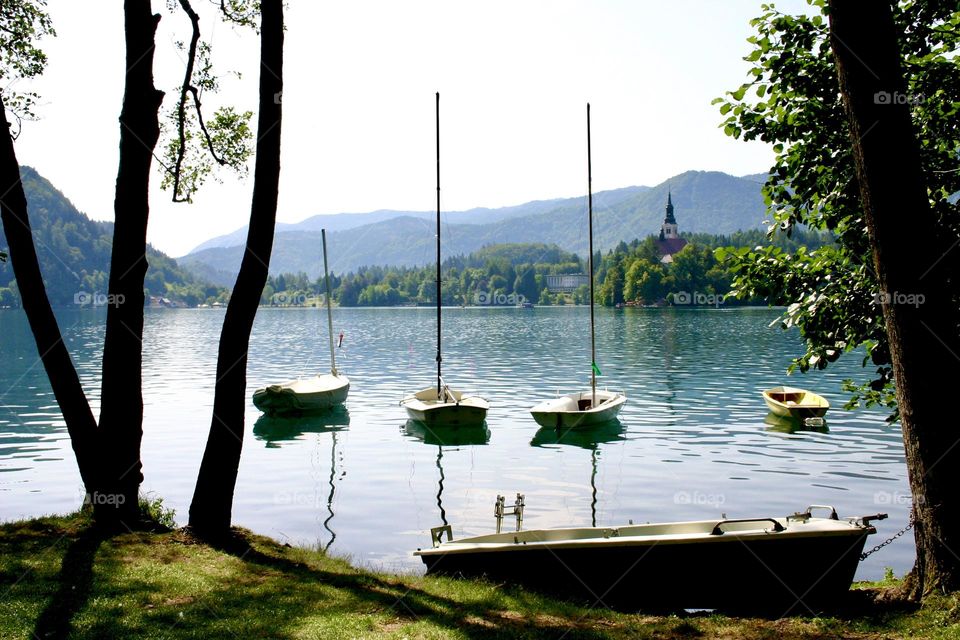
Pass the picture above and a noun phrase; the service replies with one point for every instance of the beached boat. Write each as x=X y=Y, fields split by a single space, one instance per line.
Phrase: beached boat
x=307 y=395
x=796 y=564
x=591 y=407
x=441 y=405
x=794 y=402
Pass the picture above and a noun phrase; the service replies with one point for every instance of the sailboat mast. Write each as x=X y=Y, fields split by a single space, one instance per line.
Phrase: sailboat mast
x=593 y=346
x=439 y=334
x=326 y=282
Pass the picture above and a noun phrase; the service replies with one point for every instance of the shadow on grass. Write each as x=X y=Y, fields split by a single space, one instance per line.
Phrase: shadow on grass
x=474 y=619
x=73 y=588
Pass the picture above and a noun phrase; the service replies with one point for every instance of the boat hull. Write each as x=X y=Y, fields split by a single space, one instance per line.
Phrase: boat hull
x=802 y=569
x=563 y=412
x=795 y=403
x=308 y=395
x=456 y=409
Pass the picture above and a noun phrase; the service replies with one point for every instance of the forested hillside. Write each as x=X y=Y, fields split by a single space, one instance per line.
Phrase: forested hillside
x=74 y=253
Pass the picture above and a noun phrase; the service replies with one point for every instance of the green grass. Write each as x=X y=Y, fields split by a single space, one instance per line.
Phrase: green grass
x=59 y=578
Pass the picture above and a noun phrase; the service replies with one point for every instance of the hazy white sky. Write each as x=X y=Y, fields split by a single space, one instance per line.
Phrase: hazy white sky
x=360 y=77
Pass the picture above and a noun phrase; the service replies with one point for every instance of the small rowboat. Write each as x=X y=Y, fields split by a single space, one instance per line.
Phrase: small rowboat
x=795 y=403
x=796 y=564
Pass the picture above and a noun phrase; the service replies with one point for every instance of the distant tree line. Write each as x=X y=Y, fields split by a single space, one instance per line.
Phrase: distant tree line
x=510 y=273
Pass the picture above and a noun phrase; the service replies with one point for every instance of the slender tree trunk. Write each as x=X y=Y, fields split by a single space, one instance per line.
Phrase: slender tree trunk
x=67 y=389
x=121 y=415
x=211 y=509
x=908 y=253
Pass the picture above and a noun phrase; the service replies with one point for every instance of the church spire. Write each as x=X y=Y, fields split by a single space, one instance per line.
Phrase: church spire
x=669 y=219
x=669 y=227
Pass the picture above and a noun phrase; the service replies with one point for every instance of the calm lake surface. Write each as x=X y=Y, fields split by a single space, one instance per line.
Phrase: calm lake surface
x=693 y=442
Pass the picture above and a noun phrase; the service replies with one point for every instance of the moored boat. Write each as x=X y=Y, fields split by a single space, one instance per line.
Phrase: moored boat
x=304 y=395
x=799 y=563
x=794 y=402
x=441 y=405
x=448 y=407
x=591 y=407
x=308 y=395
x=576 y=410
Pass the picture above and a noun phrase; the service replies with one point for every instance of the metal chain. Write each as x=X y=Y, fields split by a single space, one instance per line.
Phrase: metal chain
x=867 y=554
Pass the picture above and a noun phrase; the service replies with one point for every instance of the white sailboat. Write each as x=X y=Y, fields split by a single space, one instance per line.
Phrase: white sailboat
x=590 y=407
x=306 y=395
x=441 y=405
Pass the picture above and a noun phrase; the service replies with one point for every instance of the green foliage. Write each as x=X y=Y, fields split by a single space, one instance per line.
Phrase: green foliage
x=24 y=22
x=241 y=12
x=152 y=509
x=226 y=140
x=792 y=101
x=197 y=145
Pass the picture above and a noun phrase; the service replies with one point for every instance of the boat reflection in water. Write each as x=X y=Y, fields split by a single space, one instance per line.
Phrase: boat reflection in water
x=275 y=430
x=450 y=437
x=584 y=438
x=446 y=436
x=793 y=424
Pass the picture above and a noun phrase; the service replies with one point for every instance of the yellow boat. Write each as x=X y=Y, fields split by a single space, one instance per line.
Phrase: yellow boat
x=795 y=403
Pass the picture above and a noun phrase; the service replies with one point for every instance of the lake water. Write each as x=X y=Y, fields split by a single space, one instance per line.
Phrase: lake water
x=693 y=442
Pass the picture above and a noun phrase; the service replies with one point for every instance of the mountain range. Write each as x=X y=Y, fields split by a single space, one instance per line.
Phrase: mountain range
x=704 y=202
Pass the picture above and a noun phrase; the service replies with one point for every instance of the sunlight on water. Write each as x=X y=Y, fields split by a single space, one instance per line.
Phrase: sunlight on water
x=693 y=442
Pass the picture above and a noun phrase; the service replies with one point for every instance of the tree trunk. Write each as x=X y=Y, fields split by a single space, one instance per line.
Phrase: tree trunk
x=121 y=415
x=211 y=509
x=64 y=380
x=908 y=246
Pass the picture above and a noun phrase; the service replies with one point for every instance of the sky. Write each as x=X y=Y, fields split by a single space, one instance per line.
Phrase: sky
x=358 y=103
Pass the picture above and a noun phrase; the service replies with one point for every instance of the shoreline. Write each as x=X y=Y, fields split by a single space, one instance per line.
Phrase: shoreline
x=63 y=578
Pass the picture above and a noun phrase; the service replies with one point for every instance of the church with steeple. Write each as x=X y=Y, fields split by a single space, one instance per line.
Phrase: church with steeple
x=669 y=241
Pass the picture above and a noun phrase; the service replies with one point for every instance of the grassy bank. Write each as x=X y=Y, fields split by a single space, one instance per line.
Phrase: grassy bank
x=59 y=578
